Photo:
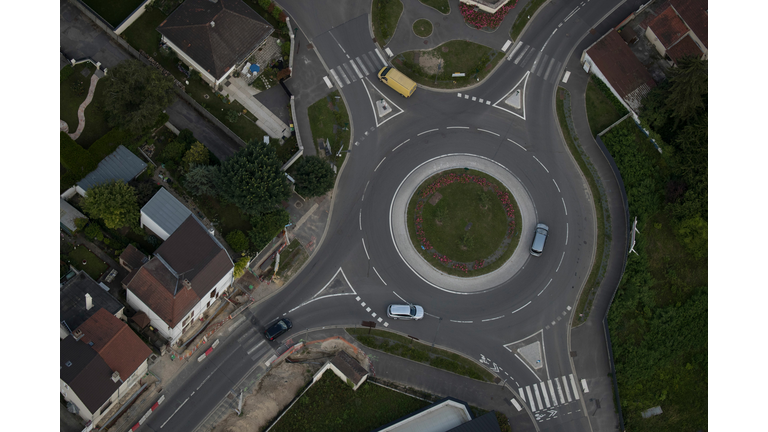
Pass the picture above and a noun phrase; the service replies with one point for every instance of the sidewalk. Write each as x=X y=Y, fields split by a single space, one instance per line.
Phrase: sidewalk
x=243 y=93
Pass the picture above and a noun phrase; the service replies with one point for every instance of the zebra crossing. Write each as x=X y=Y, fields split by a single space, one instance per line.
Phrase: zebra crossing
x=522 y=54
x=552 y=393
x=358 y=68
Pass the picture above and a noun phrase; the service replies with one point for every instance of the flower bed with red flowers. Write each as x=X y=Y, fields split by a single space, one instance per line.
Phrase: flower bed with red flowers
x=484 y=20
x=445 y=180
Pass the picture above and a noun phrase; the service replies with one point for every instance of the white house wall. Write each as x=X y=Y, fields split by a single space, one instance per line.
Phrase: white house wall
x=596 y=70
x=134 y=16
x=146 y=221
x=154 y=320
x=188 y=60
x=651 y=36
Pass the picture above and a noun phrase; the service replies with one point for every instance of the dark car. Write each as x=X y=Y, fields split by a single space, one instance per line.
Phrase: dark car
x=279 y=327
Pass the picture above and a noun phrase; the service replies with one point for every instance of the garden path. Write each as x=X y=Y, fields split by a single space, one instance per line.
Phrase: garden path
x=81 y=111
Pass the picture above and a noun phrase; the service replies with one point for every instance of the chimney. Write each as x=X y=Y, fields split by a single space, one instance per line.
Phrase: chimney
x=187 y=284
x=88 y=302
x=115 y=376
x=77 y=334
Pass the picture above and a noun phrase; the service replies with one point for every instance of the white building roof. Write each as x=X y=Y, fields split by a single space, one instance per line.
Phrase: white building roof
x=166 y=211
x=68 y=214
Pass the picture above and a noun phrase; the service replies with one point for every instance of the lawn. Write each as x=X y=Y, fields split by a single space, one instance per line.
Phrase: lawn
x=330 y=404
x=440 y=5
x=94 y=266
x=72 y=93
x=114 y=12
x=461 y=206
x=474 y=60
x=422 y=28
x=450 y=242
x=523 y=17
x=602 y=245
x=227 y=217
x=95 y=118
x=402 y=346
x=384 y=17
x=324 y=114
x=291 y=259
x=601 y=111
x=658 y=319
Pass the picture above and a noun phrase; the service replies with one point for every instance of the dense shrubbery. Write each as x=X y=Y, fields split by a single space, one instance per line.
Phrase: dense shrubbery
x=266 y=227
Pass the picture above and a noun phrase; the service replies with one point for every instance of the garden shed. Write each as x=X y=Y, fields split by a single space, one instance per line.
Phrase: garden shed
x=122 y=164
x=67 y=216
x=163 y=214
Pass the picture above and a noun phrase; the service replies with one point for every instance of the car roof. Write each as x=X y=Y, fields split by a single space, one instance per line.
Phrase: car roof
x=400 y=309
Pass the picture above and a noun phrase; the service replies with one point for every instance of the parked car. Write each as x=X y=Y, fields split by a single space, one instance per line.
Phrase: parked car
x=277 y=328
x=407 y=312
x=539 y=238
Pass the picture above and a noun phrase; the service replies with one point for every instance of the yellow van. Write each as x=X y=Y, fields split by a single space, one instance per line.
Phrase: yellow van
x=401 y=83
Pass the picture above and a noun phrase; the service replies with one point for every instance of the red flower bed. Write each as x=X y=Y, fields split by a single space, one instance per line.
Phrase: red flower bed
x=480 y=19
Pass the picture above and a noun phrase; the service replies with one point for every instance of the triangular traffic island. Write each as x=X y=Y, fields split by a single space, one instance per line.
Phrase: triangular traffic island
x=514 y=101
x=383 y=107
x=338 y=285
x=531 y=352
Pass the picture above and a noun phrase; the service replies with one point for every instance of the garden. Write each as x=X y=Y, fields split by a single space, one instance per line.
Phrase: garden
x=329 y=121
x=435 y=67
x=83 y=259
x=463 y=222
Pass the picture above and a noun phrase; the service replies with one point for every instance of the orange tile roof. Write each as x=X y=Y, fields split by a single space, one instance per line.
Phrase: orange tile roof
x=686 y=47
x=694 y=13
x=147 y=286
x=668 y=27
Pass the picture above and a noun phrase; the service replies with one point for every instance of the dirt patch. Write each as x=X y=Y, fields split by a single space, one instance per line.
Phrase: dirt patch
x=429 y=61
x=435 y=198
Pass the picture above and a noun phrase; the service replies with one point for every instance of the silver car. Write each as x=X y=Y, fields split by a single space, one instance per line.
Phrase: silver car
x=539 y=238
x=408 y=311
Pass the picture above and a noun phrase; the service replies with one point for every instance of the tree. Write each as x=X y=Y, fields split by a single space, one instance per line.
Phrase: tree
x=252 y=179
x=186 y=136
x=174 y=151
x=80 y=223
x=267 y=226
x=136 y=95
x=202 y=180
x=240 y=267
x=198 y=154
x=115 y=203
x=314 y=177
x=238 y=241
x=145 y=190
x=688 y=89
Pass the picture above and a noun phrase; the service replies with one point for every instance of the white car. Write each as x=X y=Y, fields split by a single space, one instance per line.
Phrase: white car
x=409 y=312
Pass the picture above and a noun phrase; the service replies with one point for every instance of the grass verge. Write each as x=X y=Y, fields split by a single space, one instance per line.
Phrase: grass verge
x=442 y=6
x=94 y=266
x=402 y=346
x=422 y=27
x=291 y=259
x=474 y=60
x=602 y=247
x=329 y=120
x=434 y=261
x=331 y=404
x=114 y=12
x=601 y=111
x=523 y=17
x=384 y=17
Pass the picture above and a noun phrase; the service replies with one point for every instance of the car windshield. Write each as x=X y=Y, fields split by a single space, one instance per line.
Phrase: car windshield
x=386 y=70
x=281 y=325
x=413 y=310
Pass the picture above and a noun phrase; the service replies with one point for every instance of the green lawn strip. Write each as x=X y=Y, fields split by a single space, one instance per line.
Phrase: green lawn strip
x=323 y=114
x=434 y=261
x=601 y=111
x=292 y=258
x=462 y=206
x=474 y=60
x=658 y=319
x=402 y=346
x=114 y=12
x=94 y=266
x=384 y=17
x=602 y=249
x=441 y=5
x=228 y=217
x=422 y=27
x=95 y=117
x=523 y=17
x=72 y=93
x=330 y=404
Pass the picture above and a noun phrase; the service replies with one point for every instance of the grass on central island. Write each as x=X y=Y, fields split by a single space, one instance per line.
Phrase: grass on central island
x=422 y=28
x=462 y=206
x=457 y=56
x=330 y=404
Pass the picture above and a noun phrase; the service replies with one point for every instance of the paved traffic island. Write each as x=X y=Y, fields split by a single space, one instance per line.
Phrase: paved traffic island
x=456 y=221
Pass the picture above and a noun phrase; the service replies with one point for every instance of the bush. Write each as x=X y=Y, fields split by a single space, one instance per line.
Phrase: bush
x=186 y=136
x=174 y=151
x=232 y=116
x=265 y=3
x=267 y=226
x=92 y=231
x=77 y=160
x=276 y=12
x=314 y=177
x=240 y=266
x=80 y=223
x=238 y=241
x=198 y=154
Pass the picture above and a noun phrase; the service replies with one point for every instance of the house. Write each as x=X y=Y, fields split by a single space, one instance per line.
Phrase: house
x=100 y=363
x=80 y=298
x=445 y=415
x=122 y=164
x=163 y=214
x=345 y=367
x=214 y=37
x=680 y=30
x=67 y=216
x=185 y=276
x=611 y=60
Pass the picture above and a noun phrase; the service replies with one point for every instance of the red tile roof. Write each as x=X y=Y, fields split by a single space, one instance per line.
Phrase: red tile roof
x=147 y=286
x=694 y=13
x=620 y=67
x=668 y=27
x=133 y=257
x=115 y=342
x=685 y=47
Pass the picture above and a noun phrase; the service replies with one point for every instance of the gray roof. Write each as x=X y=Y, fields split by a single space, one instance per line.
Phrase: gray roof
x=484 y=423
x=68 y=214
x=166 y=211
x=122 y=164
x=72 y=300
x=349 y=366
x=86 y=373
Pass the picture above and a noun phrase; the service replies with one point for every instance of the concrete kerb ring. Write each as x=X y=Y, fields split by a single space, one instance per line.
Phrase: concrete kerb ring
x=398 y=225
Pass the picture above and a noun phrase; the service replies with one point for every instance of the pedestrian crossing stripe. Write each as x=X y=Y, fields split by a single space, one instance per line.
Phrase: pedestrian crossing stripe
x=542 y=395
x=356 y=68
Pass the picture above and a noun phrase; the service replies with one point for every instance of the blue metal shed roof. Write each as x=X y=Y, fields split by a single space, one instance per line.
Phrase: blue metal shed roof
x=120 y=165
x=166 y=211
